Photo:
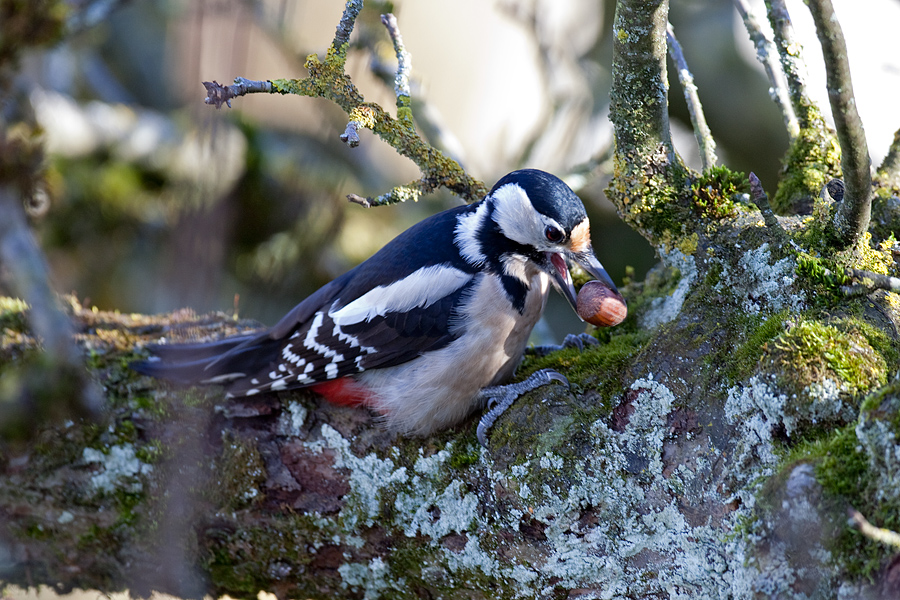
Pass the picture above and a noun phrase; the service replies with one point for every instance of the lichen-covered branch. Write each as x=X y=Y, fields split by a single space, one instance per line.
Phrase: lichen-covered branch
x=345 y=26
x=767 y=56
x=404 y=65
x=852 y=215
x=792 y=64
x=814 y=155
x=646 y=167
x=704 y=137
x=639 y=107
x=328 y=80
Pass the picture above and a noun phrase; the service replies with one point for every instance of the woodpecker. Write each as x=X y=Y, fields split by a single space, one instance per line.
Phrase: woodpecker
x=425 y=330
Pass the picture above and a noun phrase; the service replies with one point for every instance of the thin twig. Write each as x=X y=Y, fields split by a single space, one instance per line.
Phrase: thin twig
x=761 y=200
x=345 y=26
x=766 y=54
x=327 y=79
x=402 y=193
x=867 y=281
x=853 y=213
x=404 y=65
x=877 y=534
x=792 y=64
x=701 y=130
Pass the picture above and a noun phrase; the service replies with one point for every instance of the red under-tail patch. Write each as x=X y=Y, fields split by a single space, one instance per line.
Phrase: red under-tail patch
x=344 y=391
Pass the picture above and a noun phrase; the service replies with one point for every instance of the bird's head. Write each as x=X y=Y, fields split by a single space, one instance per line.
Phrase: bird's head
x=541 y=221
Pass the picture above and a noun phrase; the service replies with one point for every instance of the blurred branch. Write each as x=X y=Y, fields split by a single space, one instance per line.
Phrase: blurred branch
x=84 y=14
x=789 y=50
x=854 y=212
x=701 y=130
x=328 y=80
x=889 y=172
x=766 y=57
x=70 y=392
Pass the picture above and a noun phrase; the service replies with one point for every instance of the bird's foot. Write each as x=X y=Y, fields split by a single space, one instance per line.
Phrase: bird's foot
x=501 y=397
x=580 y=341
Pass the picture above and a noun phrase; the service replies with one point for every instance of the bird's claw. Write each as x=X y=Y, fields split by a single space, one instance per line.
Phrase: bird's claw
x=580 y=341
x=499 y=398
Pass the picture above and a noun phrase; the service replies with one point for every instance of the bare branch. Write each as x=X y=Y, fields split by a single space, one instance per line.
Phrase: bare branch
x=766 y=54
x=854 y=212
x=792 y=64
x=877 y=534
x=218 y=94
x=761 y=200
x=701 y=130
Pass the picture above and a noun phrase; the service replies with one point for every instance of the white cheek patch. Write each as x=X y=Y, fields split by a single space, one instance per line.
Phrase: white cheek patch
x=420 y=289
x=518 y=220
x=466 y=235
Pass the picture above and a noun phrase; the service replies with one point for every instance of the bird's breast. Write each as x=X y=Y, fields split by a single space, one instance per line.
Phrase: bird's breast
x=438 y=389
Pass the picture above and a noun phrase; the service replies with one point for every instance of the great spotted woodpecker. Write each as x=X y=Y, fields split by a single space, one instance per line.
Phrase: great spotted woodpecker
x=423 y=330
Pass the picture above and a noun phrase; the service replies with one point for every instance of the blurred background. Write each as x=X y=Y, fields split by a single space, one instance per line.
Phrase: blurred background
x=157 y=201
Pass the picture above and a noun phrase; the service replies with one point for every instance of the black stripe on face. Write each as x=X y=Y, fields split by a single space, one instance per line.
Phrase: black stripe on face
x=491 y=236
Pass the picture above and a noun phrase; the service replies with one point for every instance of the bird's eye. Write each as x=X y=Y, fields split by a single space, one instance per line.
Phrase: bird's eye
x=554 y=234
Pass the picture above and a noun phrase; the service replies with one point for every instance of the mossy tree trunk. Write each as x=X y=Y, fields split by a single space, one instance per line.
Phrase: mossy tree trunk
x=710 y=447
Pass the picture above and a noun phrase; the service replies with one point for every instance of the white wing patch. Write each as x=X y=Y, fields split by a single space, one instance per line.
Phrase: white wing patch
x=420 y=289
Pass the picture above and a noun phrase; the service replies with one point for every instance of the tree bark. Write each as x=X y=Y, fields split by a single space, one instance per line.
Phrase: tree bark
x=710 y=446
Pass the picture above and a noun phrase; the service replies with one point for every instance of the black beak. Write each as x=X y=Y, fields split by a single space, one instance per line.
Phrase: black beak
x=562 y=279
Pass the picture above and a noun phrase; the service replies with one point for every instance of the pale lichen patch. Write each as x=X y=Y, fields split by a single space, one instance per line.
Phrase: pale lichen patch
x=665 y=309
x=119 y=468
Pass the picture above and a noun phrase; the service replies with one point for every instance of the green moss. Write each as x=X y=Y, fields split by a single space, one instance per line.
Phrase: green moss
x=463 y=455
x=714 y=192
x=598 y=367
x=655 y=204
x=744 y=359
x=823 y=277
x=842 y=468
x=812 y=160
x=811 y=350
